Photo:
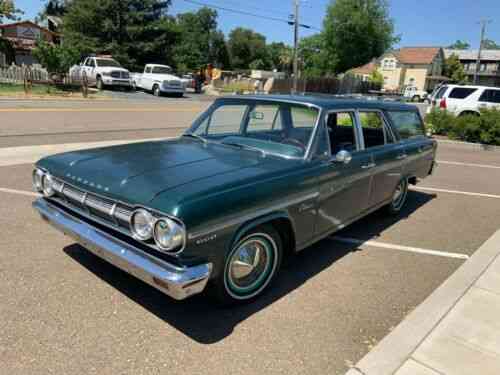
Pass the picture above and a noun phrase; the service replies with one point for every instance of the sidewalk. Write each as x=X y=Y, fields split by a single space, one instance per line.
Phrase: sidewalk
x=456 y=330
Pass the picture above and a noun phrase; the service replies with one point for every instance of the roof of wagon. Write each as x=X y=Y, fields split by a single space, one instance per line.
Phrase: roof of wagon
x=325 y=102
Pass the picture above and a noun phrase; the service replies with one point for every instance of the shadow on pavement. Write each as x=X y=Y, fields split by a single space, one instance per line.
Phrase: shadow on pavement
x=200 y=318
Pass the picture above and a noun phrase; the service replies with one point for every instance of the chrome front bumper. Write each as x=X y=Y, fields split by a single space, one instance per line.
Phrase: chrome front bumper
x=177 y=282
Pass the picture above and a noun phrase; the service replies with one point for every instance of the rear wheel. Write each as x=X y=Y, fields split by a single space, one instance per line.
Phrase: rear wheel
x=398 y=197
x=250 y=266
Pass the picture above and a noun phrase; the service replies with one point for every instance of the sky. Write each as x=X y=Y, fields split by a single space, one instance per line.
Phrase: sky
x=418 y=22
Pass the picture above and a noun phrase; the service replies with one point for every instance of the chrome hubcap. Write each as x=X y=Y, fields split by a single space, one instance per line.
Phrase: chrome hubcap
x=250 y=267
x=399 y=194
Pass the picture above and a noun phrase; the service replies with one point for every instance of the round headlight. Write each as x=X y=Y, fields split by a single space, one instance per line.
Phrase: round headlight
x=48 y=185
x=142 y=223
x=168 y=234
x=37 y=180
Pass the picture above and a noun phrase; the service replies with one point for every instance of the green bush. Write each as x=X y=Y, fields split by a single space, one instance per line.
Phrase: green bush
x=440 y=122
x=469 y=128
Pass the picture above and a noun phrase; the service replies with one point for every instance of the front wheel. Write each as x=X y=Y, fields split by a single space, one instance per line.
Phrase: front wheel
x=99 y=84
x=398 y=197
x=250 y=266
x=156 y=91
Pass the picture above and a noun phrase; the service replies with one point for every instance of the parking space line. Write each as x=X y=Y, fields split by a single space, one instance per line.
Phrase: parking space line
x=468 y=164
x=19 y=192
x=390 y=246
x=423 y=188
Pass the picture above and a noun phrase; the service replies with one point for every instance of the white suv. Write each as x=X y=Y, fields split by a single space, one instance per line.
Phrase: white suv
x=461 y=100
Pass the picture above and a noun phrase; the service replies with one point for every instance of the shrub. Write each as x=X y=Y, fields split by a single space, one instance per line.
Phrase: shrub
x=470 y=128
x=439 y=122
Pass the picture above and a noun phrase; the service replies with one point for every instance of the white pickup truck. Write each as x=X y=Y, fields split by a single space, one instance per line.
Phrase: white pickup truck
x=414 y=94
x=159 y=79
x=101 y=72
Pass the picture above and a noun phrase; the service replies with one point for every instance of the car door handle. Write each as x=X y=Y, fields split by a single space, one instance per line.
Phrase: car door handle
x=368 y=166
x=401 y=156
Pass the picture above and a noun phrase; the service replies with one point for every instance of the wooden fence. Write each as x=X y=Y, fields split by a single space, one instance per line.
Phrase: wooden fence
x=334 y=86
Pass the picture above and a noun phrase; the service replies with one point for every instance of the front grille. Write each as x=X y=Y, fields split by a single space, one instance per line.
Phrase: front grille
x=113 y=213
x=174 y=83
x=125 y=75
x=115 y=74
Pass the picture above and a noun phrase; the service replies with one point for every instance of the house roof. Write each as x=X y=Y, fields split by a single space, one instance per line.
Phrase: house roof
x=471 y=54
x=416 y=55
x=32 y=24
x=365 y=69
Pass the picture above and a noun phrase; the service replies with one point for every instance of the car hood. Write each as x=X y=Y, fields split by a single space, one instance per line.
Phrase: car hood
x=166 y=77
x=109 y=69
x=137 y=173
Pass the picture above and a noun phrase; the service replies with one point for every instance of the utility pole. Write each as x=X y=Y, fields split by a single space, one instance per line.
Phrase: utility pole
x=295 y=46
x=478 y=61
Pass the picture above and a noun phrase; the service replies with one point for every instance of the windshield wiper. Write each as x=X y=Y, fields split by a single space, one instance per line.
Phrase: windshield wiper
x=245 y=147
x=195 y=136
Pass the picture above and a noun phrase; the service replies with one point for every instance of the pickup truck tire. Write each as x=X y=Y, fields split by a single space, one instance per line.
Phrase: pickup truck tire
x=398 y=197
x=156 y=90
x=416 y=99
x=99 y=84
x=250 y=266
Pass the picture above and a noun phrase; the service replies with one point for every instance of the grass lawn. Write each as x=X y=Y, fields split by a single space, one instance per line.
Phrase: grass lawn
x=43 y=90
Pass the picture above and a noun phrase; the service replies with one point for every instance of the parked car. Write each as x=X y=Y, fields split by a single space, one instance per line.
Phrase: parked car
x=465 y=99
x=253 y=180
x=101 y=71
x=159 y=79
x=414 y=94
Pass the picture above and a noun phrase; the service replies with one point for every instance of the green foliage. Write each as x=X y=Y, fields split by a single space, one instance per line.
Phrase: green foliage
x=490 y=44
x=459 y=44
x=200 y=43
x=376 y=77
x=470 y=128
x=246 y=46
x=355 y=32
x=454 y=69
x=316 y=60
x=56 y=58
x=280 y=56
x=439 y=122
x=8 y=50
x=135 y=32
x=258 y=64
x=8 y=10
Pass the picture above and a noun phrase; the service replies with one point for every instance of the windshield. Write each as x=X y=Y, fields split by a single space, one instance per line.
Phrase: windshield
x=162 y=70
x=276 y=128
x=108 y=62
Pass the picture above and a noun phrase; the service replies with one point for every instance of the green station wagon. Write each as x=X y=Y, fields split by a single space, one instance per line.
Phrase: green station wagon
x=255 y=179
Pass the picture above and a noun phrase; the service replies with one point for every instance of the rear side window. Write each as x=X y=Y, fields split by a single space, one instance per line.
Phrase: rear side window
x=461 y=92
x=374 y=131
x=490 y=96
x=407 y=124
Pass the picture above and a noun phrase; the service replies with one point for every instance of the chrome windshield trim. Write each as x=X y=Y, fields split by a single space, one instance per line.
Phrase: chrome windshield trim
x=243 y=217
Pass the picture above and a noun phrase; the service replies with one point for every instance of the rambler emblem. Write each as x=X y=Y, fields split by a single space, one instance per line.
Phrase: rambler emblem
x=87 y=182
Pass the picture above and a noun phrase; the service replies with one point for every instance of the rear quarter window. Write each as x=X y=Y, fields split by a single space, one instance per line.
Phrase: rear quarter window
x=461 y=92
x=407 y=124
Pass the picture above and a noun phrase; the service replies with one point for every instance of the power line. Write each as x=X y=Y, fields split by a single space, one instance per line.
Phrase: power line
x=276 y=19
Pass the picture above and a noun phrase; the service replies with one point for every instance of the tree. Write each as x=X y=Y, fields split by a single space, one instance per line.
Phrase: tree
x=459 y=44
x=8 y=10
x=246 y=46
x=377 y=78
x=355 y=32
x=490 y=44
x=56 y=58
x=316 y=60
x=200 y=43
x=454 y=69
x=280 y=56
x=135 y=32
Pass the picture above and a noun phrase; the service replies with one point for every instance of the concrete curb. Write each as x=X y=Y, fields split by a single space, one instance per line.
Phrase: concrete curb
x=469 y=145
x=397 y=347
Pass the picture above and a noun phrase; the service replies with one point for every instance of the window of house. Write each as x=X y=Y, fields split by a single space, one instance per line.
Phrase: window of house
x=374 y=129
x=461 y=92
x=408 y=124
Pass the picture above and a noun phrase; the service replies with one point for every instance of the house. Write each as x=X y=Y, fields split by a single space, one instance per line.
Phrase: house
x=420 y=67
x=23 y=37
x=489 y=67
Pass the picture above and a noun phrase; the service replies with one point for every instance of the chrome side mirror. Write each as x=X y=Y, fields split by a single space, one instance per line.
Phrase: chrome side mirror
x=343 y=157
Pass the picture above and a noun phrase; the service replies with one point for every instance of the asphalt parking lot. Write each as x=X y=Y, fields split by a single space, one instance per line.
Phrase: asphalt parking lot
x=64 y=310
